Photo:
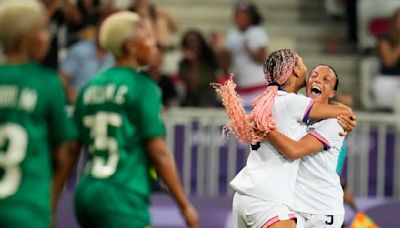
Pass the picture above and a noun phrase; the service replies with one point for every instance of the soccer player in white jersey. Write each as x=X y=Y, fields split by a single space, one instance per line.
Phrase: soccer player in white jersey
x=318 y=194
x=265 y=187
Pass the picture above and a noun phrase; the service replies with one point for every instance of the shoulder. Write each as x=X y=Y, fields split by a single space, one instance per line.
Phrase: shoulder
x=146 y=81
x=326 y=122
x=293 y=97
x=46 y=73
x=331 y=125
x=256 y=31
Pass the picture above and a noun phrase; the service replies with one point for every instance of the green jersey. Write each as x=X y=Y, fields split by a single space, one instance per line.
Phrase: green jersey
x=116 y=113
x=32 y=120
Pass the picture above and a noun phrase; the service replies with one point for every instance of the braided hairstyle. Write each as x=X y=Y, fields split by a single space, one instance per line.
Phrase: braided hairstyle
x=253 y=127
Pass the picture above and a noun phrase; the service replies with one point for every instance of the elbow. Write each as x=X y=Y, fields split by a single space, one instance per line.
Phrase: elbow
x=293 y=155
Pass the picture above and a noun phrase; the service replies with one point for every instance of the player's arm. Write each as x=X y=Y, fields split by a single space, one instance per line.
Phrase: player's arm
x=62 y=134
x=303 y=109
x=321 y=111
x=69 y=89
x=344 y=114
x=65 y=156
x=148 y=111
x=165 y=166
x=294 y=149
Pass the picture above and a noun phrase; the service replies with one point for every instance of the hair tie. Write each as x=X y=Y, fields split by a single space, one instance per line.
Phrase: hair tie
x=274 y=84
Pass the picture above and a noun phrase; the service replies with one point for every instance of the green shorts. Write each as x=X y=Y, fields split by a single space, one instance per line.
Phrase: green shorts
x=23 y=217
x=100 y=204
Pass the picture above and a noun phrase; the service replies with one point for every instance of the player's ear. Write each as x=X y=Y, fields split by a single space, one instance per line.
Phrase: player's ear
x=130 y=47
x=297 y=70
x=20 y=43
x=332 y=94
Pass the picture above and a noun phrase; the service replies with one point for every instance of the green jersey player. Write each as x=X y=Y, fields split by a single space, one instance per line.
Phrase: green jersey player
x=33 y=122
x=118 y=118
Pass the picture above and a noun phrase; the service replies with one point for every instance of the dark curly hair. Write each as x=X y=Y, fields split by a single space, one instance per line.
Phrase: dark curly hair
x=206 y=53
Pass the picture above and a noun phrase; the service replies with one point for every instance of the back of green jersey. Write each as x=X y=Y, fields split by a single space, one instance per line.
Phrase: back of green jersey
x=32 y=120
x=116 y=113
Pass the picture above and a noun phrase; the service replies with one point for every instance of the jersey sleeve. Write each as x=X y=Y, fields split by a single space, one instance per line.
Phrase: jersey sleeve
x=327 y=132
x=61 y=127
x=299 y=106
x=257 y=38
x=149 y=112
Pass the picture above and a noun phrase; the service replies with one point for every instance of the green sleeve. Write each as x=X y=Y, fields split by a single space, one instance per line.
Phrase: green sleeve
x=61 y=128
x=149 y=112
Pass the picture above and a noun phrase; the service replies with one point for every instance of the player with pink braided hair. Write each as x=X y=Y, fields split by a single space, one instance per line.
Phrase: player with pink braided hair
x=265 y=186
x=253 y=127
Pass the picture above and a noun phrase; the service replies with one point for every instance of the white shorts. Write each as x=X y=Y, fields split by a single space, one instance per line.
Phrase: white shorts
x=305 y=220
x=250 y=212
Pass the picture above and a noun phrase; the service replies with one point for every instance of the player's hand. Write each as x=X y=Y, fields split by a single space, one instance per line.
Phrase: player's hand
x=191 y=217
x=347 y=123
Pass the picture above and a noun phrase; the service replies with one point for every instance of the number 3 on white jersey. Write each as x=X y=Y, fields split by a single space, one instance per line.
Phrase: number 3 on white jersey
x=10 y=159
x=98 y=124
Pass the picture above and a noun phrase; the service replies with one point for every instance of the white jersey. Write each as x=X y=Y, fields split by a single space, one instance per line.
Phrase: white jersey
x=268 y=175
x=248 y=72
x=318 y=189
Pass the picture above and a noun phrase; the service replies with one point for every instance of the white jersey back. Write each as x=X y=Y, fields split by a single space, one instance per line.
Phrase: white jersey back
x=318 y=189
x=268 y=175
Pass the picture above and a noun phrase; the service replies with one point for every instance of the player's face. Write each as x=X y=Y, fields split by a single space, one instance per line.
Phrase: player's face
x=321 y=83
x=145 y=45
x=301 y=71
x=37 y=42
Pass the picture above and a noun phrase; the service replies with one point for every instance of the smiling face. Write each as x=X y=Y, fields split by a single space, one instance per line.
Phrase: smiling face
x=321 y=84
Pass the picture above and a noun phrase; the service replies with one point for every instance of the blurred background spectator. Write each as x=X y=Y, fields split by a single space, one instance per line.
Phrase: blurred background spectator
x=197 y=70
x=61 y=13
x=90 y=12
x=162 y=23
x=387 y=84
x=83 y=61
x=169 y=94
x=247 y=44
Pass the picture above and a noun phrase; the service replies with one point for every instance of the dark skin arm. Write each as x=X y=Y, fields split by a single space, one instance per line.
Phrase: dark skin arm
x=294 y=149
x=165 y=166
x=344 y=114
x=65 y=156
x=69 y=89
x=321 y=111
